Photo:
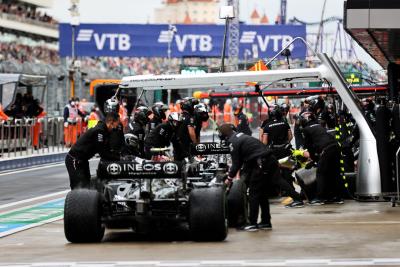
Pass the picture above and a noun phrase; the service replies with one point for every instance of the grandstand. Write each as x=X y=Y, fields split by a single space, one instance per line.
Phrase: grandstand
x=29 y=45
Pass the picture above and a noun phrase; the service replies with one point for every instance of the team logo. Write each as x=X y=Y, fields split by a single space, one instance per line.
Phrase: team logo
x=114 y=169
x=170 y=168
x=201 y=147
x=231 y=147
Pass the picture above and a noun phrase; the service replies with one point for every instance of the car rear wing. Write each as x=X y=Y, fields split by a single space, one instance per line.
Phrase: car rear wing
x=209 y=148
x=146 y=170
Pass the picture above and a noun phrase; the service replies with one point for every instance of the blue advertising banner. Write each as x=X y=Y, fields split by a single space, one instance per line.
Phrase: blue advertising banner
x=147 y=40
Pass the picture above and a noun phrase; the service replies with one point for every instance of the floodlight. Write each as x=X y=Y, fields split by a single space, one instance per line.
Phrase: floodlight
x=226 y=12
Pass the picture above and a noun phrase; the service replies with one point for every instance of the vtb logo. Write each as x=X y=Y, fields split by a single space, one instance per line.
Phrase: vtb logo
x=116 y=41
x=195 y=42
x=274 y=42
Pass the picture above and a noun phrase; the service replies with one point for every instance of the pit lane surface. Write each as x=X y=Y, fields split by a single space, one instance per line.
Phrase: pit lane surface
x=357 y=234
x=35 y=182
x=353 y=234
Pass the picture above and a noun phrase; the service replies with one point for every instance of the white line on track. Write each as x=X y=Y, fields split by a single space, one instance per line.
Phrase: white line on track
x=33 y=199
x=219 y=263
x=41 y=167
x=32 y=169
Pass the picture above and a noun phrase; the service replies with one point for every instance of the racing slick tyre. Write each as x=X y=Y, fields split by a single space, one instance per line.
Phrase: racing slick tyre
x=207 y=214
x=237 y=204
x=82 y=216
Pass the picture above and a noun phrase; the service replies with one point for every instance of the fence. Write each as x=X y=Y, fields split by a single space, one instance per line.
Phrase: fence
x=39 y=136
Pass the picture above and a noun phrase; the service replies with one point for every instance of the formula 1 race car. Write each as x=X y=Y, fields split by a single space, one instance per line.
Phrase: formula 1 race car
x=127 y=194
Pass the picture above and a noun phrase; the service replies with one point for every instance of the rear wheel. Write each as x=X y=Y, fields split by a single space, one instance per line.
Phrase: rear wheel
x=82 y=216
x=207 y=214
x=237 y=204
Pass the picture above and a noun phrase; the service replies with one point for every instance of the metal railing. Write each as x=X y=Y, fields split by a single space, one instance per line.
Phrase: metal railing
x=36 y=136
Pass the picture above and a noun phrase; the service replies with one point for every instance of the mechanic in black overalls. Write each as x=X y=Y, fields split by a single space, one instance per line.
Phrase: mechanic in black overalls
x=95 y=140
x=277 y=136
x=242 y=120
x=327 y=117
x=158 y=109
x=137 y=127
x=200 y=116
x=323 y=149
x=261 y=168
x=185 y=133
x=162 y=135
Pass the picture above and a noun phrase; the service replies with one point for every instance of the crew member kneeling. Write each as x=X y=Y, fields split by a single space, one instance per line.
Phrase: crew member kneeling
x=261 y=166
x=95 y=140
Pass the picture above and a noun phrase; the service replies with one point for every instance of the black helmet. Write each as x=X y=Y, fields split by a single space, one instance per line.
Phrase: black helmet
x=188 y=104
x=145 y=110
x=141 y=117
x=201 y=112
x=159 y=110
x=306 y=116
x=174 y=119
x=276 y=113
x=111 y=105
x=131 y=140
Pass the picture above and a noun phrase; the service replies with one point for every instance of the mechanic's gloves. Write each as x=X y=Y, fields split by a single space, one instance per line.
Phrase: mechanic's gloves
x=297 y=153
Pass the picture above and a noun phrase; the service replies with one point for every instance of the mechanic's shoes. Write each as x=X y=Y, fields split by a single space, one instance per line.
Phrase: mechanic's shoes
x=249 y=228
x=335 y=200
x=295 y=204
x=265 y=226
x=316 y=202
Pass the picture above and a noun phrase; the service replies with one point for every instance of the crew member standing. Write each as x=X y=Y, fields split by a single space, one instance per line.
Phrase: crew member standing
x=262 y=167
x=277 y=136
x=159 y=110
x=186 y=134
x=137 y=127
x=200 y=116
x=242 y=121
x=95 y=140
x=162 y=135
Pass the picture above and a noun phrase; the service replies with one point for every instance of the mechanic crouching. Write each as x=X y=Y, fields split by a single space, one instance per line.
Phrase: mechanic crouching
x=323 y=149
x=262 y=167
x=95 y=140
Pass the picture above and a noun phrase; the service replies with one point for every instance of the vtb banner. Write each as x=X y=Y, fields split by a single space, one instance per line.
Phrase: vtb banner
x=147 y=40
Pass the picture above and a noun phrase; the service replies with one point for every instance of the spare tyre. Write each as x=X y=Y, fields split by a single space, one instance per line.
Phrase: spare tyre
x=237 y=204
x=207 y=214
x=82 y=216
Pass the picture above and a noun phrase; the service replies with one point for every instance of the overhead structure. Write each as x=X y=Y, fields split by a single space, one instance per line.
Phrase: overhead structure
x=233 y=40
x=374 y=24
x=368 y=173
